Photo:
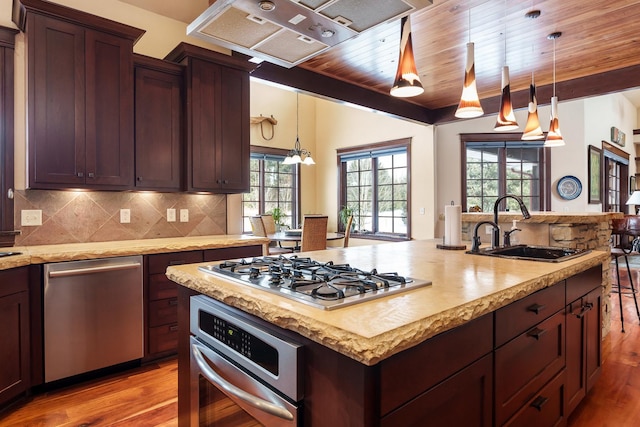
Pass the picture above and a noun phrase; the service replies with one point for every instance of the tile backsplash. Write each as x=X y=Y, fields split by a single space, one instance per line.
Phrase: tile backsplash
x=94 y=216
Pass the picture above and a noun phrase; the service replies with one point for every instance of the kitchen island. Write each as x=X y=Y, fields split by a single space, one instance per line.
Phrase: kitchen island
x=449 y=323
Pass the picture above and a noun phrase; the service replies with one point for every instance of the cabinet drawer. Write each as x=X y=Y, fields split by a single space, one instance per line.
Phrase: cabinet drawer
x=408 y=374
x=163 y=312
x=232 y=253
x=521 y=315
x=526 y=363
x=163 y=338
x=546 y=408
x=583 y=283
x=158 y=263
x=161 y=288
x=462 y=400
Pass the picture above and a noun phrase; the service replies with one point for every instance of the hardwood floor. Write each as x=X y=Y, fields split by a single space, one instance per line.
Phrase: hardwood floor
x=142 y=397
x=146 y=396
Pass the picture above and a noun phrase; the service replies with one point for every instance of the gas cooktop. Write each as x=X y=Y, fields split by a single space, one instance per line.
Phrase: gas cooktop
x=320 y=284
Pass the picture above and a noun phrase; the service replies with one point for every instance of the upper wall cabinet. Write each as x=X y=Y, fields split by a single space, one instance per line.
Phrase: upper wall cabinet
x=7 y=232
x=217 y=111
x=80 y=97
x=158 y=124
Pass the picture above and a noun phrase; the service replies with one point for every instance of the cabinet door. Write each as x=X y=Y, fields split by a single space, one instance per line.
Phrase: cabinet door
x=6 y=136
x=56 y=103
x=109 y=110
x=14 y=339
x=204 y=124
x=593 y=329
x=233 y=151
x=584 y=355
x=218 y=128
x=158 y=133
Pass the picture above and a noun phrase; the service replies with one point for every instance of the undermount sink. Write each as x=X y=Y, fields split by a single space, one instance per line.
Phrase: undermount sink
x=4 y=254
x=533 y=253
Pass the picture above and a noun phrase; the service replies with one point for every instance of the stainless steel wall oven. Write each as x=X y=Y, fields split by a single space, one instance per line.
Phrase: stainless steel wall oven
x=243 y=372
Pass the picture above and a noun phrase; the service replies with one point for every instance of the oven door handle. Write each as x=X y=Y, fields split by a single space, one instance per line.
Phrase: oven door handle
x=217 y=380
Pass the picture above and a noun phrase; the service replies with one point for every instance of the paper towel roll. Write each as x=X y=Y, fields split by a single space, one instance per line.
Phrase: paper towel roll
x=453 y=225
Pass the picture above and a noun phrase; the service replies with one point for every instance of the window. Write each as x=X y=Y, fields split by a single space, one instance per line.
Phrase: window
x=273 y=184
x=494 y=167
x=374 y=182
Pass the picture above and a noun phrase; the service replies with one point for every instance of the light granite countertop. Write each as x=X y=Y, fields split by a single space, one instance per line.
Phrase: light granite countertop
x=79 y=251
x=463 y=287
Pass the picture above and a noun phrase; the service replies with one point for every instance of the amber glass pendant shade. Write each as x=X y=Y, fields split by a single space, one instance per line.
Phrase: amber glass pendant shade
x=469 y=105
x=407 y=83
x=532 y=129
x=554 y=137
x=506 y=118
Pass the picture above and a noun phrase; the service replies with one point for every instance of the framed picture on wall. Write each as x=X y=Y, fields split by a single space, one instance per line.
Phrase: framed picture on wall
x=595 y=174
x=632 y=184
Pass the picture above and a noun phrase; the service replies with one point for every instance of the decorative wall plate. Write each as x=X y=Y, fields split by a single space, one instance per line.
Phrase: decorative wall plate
x=569 y=187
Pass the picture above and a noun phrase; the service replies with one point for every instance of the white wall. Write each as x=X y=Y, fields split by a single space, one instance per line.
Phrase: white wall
x=582 y=123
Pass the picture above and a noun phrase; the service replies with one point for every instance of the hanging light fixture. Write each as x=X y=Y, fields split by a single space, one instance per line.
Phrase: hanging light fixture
x=554 y=137
x=407 y=83
x=532 y=129
x=296 y=155
x=469 y=105
x=506 y=120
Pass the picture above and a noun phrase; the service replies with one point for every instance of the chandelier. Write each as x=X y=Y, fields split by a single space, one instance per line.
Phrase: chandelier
x=298 y=155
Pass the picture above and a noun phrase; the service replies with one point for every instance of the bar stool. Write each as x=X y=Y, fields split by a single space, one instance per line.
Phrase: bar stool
x=625 y=228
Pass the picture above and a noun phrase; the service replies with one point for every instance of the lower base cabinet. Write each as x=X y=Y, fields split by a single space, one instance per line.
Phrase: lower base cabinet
x=513 y=367
x=14 y=339
x=161 y=303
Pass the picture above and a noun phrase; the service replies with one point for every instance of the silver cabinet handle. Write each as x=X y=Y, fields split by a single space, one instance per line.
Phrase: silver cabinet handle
x=91 y=270
x=220 y=382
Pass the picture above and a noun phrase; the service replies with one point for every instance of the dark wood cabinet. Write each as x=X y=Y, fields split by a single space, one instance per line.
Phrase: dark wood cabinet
x=584 y=336
x=80 y=98
x=161 y=302
x=455 y=389
x=14 y=339
x=159 y=131
x=510 y=367
x=217 y=119
x=7 y=232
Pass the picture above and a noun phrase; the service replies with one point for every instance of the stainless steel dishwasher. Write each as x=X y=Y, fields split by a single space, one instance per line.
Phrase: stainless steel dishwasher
x=93 y=315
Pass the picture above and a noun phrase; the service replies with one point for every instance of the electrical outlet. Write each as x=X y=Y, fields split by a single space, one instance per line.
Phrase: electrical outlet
x=421 y=210
x=488 y=229
x=184 y=215
x=125 y=216
x=171 y=215
x=31 y=217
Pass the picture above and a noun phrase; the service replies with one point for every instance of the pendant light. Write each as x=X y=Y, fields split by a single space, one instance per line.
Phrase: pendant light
x=296 y=155
x=407 y=83
x=469 y=105
x=506 y=120
x=554 y=137
x=532 y=129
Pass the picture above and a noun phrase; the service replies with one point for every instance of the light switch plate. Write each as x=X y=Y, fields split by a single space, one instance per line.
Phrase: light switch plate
x=184 y=215
x=31 y=217
x=171 y=215
x=125 y=216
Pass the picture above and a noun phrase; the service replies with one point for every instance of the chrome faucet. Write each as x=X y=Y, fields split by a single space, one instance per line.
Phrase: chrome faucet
x=495 y=237
x=475 y=244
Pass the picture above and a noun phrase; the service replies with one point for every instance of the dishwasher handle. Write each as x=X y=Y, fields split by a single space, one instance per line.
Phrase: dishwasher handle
x=93 y=270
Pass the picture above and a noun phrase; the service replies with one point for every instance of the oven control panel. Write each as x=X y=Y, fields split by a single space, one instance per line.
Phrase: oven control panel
x=240 y=341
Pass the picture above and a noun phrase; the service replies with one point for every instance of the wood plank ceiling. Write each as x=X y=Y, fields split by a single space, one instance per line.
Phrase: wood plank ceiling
x=597 y=37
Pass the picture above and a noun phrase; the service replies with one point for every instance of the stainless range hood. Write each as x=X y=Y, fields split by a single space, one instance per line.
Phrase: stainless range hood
x=288 y=32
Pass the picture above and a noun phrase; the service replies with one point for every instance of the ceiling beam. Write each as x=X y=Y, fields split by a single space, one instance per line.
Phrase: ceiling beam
x=334 y=89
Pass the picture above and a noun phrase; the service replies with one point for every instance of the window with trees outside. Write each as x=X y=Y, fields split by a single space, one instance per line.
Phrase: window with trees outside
x=273 y=185
x=494 y=165
x=374 y=183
